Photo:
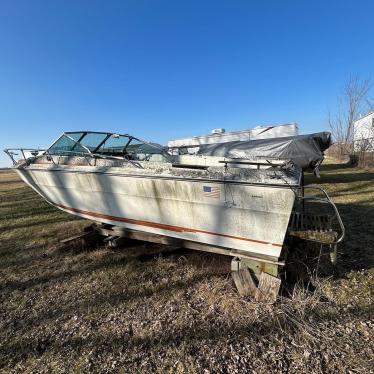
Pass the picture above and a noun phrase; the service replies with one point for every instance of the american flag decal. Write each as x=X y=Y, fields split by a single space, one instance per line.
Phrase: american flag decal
x=211 y=191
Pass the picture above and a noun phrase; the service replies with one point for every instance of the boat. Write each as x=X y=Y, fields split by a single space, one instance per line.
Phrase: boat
x=241 y=207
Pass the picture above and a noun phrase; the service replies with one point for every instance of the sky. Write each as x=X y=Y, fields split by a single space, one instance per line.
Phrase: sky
x=166 y=69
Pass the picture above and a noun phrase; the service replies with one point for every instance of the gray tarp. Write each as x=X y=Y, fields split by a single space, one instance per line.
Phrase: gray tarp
x=304 y=150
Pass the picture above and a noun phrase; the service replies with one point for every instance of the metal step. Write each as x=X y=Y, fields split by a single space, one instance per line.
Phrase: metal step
x=313 y=227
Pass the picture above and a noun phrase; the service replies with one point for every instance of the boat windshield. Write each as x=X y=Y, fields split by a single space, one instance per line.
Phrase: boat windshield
x=107 y=145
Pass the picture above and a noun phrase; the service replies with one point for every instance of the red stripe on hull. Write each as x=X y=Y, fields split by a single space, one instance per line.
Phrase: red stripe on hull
x=159 y=225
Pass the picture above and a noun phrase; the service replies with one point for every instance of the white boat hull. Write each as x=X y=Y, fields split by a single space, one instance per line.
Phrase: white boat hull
x=240 y=216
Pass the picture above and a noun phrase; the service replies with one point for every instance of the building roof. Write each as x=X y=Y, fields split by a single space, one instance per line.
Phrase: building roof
x=371 y=113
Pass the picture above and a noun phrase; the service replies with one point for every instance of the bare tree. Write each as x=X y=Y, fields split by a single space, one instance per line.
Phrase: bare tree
x=370 y=104
x=353 y=101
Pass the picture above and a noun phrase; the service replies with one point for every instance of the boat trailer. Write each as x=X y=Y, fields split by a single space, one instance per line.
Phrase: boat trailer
x=254 y=275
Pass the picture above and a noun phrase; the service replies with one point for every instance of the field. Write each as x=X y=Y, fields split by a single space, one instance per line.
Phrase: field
x=136 y=309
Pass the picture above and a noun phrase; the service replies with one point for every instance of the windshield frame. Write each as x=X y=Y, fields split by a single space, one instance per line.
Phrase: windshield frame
x=94 y=153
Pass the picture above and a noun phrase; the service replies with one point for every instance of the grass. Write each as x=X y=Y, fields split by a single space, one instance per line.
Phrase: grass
x=123 y=310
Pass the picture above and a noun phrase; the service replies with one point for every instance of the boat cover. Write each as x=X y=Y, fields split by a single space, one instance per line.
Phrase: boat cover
x=305 y=151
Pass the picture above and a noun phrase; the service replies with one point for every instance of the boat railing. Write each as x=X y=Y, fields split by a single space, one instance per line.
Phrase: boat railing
x=268 y=161
x=34 y=152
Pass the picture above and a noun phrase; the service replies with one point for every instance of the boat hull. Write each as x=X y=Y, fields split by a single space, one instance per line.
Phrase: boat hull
x=241 y=216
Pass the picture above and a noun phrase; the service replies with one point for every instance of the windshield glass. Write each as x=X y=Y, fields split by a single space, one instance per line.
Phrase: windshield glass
x=66 y=146
x=138 y=150
x=107 y=144
x=114 y=145
x=92 y=140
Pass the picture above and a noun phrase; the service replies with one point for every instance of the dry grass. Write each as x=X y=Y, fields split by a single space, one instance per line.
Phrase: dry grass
x=105 y=310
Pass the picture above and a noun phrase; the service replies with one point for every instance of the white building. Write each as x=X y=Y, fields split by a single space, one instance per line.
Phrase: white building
x=363 y=133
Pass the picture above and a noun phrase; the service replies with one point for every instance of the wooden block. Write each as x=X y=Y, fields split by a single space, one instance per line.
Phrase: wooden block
x=268 y=288
x=244 y=282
